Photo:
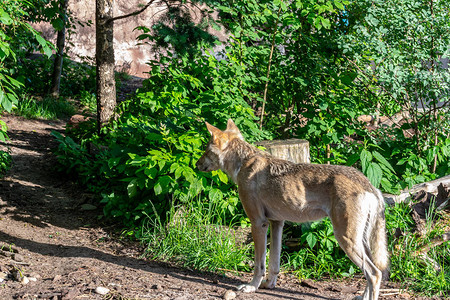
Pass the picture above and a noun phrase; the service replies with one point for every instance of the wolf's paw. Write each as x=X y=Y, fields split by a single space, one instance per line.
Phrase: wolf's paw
x=246 y=288
x=266 y=284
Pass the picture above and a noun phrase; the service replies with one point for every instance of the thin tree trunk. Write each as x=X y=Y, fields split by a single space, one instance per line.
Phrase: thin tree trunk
x=60 y=43
x=104 y=54
x=266 y=86
x=435 y=112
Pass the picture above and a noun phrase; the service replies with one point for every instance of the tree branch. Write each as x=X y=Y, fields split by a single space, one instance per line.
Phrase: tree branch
x=135 y=13
x=266 y=87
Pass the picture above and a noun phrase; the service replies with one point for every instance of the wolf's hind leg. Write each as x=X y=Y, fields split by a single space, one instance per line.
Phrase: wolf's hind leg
x=276 y=232
x=357 y=253
x=259 y=234
x=351 y=238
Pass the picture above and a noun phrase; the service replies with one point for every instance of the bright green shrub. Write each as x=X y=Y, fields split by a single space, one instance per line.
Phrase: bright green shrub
x=12 y=29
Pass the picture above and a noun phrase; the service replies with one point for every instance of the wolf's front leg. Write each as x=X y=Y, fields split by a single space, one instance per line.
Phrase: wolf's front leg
x=259 y=234
x=276 y=232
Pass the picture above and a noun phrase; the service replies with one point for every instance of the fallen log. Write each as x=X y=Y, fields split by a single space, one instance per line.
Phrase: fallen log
x=429 y=187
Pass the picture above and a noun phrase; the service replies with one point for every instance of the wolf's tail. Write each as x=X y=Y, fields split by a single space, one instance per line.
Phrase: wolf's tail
x=378 y=240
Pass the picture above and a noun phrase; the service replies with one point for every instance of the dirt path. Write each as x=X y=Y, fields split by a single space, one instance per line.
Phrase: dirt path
x=65 y=254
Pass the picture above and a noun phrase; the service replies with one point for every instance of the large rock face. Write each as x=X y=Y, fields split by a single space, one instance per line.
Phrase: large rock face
x=130 y=57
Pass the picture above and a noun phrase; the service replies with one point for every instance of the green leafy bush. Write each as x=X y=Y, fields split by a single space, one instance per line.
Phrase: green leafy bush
x=408 y=77
x=12 y=28
x=5 y=162
x=146 y=158
x=319 y=253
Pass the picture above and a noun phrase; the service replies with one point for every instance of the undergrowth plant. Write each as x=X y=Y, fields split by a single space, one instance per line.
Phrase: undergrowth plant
x=406 y=45
x=318 y=253
x=88 y=102
x=12 y=28
x=426 y=272
x=193 y=236
x=5 y=162
x=48 y=108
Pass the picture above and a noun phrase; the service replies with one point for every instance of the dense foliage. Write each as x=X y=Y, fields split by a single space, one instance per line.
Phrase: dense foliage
x=151 y=149
x=401 y=52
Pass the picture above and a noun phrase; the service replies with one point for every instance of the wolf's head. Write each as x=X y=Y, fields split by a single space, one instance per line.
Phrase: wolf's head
x=212 y=159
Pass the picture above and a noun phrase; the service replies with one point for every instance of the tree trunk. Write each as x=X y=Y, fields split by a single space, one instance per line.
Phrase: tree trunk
x=58 y=62
x=104 y=54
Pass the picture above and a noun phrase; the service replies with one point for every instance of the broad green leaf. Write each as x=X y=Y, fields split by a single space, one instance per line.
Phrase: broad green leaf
x=222 y=176
x=382 y=160
x=151 y=172
x=5 y=18
x=132 y=188
x=311 y=239
x=366 y=158
x=339 y=5
x=40 y=40
x=326 y=23
x=6 y=103
x=45 y=47
x=3 y=136
x=374 y=173
x=178 y=172
x=173 y=167
x=162 y=185
x=215 y=195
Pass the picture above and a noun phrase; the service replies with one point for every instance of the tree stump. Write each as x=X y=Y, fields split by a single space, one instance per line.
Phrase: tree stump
x=294 y=150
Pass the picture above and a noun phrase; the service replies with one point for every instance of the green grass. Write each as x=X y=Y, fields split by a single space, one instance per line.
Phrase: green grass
x=47 y=108
x=413 y=271
x=189 y=239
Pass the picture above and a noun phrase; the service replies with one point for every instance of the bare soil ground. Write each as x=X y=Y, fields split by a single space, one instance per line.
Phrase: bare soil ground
x=65 y=253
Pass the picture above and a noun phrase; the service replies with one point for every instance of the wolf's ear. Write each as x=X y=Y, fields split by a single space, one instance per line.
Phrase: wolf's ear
x=231 y=127
x=212 y=130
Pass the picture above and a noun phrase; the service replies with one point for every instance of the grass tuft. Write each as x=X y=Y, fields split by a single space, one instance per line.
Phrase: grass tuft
x=188 y=238
x=47 y=108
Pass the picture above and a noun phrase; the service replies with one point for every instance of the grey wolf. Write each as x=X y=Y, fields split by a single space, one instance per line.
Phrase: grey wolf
x=273 y=190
